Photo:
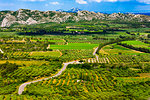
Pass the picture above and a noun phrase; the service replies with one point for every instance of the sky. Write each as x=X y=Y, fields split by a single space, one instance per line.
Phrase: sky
x=105 y=6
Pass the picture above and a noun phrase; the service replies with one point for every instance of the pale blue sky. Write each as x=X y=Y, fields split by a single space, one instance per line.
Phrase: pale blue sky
x=107 y=6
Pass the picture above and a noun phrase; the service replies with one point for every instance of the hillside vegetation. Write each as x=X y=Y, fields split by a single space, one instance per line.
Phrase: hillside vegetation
x=84 y=60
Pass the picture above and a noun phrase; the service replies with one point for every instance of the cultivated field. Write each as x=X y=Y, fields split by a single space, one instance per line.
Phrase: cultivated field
x=111 y=61
x=45 y=54
x=26 y=63
x=115 y=49
x=74 y=46
x=137 y=44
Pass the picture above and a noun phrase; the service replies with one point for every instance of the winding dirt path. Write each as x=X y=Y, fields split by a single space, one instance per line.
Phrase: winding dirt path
x=48 y=47
x=94 y=53
x=1 y=51
x=22 y=86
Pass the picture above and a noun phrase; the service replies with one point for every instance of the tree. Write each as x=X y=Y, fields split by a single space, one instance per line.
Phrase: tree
x=148 y=35
x=120 y=53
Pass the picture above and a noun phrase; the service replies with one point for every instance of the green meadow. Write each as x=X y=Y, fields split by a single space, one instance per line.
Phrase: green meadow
x=137 y=44
x=115 y=49
x=74 y=46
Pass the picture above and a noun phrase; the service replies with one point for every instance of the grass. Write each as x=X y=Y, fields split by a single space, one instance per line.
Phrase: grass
x=132 y=79
x=137 y=44
x=144 y=75
x=144 y=33
x=48 y=53
x=136 y=29
x=27 y=63
x=75 y=46
x=50 y=40
x=16 y=41
x=134 y=42
x=115 y=49
x=7 y=34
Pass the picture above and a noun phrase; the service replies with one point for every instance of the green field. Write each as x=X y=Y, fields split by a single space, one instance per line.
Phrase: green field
x=27 y=63
x=74 y=46
x=50 y=40
x=137 y=44
x=144 y=33
x=7 y=34
x=115 y=49
x=45 y=54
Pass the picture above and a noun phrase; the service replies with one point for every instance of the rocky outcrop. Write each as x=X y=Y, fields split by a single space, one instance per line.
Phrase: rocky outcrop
x=8 y=20
x=26 y=16
x=31 y=21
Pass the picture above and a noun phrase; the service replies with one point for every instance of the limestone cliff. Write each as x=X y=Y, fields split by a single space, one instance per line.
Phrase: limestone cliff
x=26 y=16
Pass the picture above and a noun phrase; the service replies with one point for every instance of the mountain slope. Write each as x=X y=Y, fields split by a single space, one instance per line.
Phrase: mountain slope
x=26 y=16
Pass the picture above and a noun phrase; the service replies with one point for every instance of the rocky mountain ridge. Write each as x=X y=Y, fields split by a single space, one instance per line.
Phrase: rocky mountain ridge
x=26 y=16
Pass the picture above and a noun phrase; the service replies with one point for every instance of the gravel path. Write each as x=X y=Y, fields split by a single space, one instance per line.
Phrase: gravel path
x=22 y=86
x=94 y=53
x=1 y=51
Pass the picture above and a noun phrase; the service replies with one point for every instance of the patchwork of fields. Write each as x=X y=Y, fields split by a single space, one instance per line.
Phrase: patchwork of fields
x=116 y=72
